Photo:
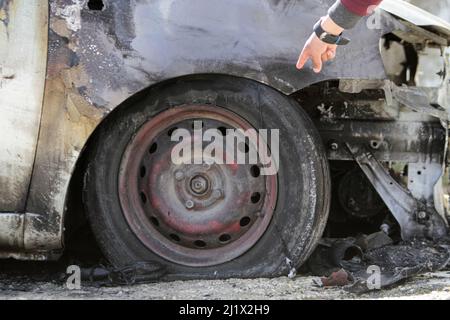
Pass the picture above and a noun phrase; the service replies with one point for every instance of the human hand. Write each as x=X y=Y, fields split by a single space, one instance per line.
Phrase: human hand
x=317 y=50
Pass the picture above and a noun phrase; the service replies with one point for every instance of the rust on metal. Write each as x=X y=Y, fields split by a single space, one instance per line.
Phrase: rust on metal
x=193 y=214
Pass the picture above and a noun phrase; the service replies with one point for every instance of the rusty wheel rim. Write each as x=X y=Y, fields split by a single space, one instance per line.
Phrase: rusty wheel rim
x=193 y=214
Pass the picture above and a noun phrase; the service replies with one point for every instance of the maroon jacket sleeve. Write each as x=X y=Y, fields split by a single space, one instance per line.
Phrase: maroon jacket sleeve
x=360 y=7
x=347 y=13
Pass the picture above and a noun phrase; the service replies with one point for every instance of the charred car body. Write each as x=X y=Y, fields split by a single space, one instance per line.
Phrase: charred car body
x=90 y=92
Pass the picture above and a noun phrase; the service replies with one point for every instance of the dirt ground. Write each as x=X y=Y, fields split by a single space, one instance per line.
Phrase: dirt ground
x=25 y=280
x=427 y=286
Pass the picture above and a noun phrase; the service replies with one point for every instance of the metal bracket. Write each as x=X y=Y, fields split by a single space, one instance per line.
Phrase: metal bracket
x=416 y=219
x=415 y=99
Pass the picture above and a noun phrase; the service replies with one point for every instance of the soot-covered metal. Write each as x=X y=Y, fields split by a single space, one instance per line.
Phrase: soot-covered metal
x=103 y=53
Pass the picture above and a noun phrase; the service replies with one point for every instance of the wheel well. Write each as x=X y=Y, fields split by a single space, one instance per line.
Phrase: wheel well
x=74 y=217
x=74 y=208
x=75 y=220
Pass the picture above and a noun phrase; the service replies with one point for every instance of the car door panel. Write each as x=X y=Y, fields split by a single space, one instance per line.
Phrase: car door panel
x=23 y=55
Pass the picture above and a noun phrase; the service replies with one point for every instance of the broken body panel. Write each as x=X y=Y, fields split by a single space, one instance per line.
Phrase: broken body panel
x=98 y=60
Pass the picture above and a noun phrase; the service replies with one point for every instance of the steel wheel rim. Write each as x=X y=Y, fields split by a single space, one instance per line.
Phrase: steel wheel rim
x=193 y=215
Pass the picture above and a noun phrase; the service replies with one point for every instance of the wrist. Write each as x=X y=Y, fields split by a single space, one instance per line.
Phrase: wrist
x=329 y=26
x=333 y=34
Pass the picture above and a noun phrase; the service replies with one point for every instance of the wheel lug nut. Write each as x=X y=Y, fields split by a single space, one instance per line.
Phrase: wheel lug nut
x=189 y=204
x=217 y=193
x=422 y=215
x=179 y=175
x=199 y=185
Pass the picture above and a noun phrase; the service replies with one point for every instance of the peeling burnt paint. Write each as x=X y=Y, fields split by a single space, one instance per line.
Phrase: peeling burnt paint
x=117 y=45
x=70 y=13
x=23 y=52
x=4 y=12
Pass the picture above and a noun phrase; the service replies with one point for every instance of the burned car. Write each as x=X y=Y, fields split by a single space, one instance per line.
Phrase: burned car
x=91 y=92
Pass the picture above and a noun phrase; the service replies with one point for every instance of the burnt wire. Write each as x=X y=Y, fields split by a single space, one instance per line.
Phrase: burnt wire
x=137 y=273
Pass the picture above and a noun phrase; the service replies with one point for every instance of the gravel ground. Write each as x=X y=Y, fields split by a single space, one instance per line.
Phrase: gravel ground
x=427 y=286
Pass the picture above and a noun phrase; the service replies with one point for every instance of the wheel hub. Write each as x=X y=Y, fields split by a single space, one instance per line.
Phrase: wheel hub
x=193 y=214
x=200 y=187
x=199 y=184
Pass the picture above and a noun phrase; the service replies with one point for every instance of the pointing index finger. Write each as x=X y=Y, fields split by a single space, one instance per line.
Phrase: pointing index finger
x=304 y=57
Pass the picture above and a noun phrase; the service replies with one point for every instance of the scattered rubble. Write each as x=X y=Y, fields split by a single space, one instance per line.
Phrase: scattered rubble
x=374 y=262
x=339 y=278
x=345 y=266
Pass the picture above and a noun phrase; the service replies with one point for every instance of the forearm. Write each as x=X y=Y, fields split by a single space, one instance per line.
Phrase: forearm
x=322 y=44
x=347 y=13
x=330 y=26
